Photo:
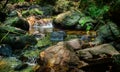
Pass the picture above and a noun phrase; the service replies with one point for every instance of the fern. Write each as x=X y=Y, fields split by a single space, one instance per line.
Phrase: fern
x=96 y=11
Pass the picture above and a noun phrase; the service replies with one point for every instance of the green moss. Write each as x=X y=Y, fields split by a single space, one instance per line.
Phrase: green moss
x=44 y=41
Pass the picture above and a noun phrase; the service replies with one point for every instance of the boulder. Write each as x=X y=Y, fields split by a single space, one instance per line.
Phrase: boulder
x=74 y=43
x=33 y=11
x=18 y=22
x=18 y=42
x=75 y=20
x=68 y=19
x=59 y=58
x=57 y=36
x=5 y=50
x=61 y=16
x=99 y=50
x=108 y=33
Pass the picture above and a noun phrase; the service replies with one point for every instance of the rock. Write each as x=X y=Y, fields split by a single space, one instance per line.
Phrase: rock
x=74 y=43
x=43 y=26
x=5 y=50
x=74 y=20
x=85 y=55
x=85 y=38
x=13 y=13
x=18 y=22
x=98 y=50
x=61 y=16
x=32 y=11
x=19 y=42
x=57 y=36
x=68 y=19
x=58 y=57
x=47 y=10
x=108 y=33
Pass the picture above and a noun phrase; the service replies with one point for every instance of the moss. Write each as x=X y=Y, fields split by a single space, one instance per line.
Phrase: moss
x=44 y=41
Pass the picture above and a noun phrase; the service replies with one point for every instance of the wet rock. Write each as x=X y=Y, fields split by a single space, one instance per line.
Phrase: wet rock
x=5 y=50
x=43 y=26
x=57 y=36
x=20 y=67
x=39 y=36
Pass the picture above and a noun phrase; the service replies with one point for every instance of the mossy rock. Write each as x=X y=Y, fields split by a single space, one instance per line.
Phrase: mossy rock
x=18 y=42
x=17 y=22
x=68 y=19
x=33 y=11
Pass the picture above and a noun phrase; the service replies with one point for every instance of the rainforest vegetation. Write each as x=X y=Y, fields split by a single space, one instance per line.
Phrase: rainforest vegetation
x=59 y=35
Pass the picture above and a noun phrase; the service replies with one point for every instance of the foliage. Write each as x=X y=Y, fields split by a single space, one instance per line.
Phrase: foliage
x=44 y=41
x=97 y=8
x=65 y=5
x=16 y=1
x=116 y=59
x=86 y=21
x=96 y=12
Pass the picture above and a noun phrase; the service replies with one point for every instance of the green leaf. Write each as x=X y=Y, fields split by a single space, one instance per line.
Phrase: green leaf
x=84 y=20
x=88 y=27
